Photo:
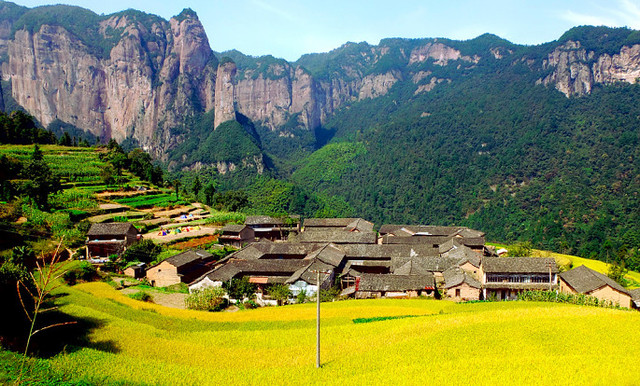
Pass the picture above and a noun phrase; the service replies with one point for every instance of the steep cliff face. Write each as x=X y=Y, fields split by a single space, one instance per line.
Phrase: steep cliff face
x=575 y=70
x=154 y=76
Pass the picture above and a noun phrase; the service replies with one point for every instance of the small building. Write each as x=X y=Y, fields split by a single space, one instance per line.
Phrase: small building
x=273 y=228
x=505 y=277
x=236 y=235
x=136 y=271
x=459 y=285
x=104 y=240
x=583 y=280
x=394 y=286
x=635 y=298
x=181 y=268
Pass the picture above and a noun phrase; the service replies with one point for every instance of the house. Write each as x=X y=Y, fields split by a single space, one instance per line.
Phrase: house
x=265 y=249
x=104 y=240
x=635 y=298
x=236 y=235
x=376 y=286
x=337 y=237
x=273 y=228
x=181 y=268
x=326 y=261
x=459 y=285
x=335 y=224
x=583 y=280
x=136 y=271
x=505 y=277
x=430 y=234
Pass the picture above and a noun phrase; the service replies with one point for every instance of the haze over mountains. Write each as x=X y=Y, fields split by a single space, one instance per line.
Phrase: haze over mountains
x=537 y=142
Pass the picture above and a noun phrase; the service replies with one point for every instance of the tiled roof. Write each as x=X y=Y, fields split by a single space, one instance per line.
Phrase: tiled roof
x=518 y=265
x=455 y=276
x=338 y=237
x=328 y=222
x=386 y=282
x=187 y=257
x=110 y=229
x=584 y=280
x=233 y=228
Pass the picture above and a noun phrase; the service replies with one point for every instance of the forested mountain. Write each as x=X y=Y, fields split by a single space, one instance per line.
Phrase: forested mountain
x=532 y=143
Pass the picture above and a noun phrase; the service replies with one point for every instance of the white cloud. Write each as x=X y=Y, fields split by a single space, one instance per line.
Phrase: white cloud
x=274 y=10
x=584 y=19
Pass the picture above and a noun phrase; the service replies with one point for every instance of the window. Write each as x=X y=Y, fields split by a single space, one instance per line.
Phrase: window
x=457 y=292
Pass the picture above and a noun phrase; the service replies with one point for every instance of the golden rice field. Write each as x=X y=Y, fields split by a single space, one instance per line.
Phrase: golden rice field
x=448 y=343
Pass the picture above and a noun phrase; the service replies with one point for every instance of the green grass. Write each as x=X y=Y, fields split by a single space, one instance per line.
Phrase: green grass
x=479 y=343
x=79 y=164
x=147 y=201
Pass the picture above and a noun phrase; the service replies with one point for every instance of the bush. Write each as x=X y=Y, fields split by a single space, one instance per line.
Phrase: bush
x=145 y=251
x=85 y=272
x=301 y=297
x=142 y=296
x=279 y=293
x=207 y=299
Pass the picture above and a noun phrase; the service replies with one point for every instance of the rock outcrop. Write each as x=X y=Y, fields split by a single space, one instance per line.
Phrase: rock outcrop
x=153 y=77
x=575 y=70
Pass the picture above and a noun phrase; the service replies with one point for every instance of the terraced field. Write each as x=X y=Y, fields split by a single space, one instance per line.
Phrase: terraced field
x=444 y=343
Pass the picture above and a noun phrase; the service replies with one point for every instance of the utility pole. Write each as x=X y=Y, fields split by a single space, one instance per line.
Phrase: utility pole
x=318 y=272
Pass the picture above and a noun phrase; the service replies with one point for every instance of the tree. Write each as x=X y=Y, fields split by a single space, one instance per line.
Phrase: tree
x=42 y=182
x=617 y=271
x=196 y=186
x=176 y=185
x=209 y=192
x=145 y=251
x=108 y=174
x=240 y=289
x=520 y=249
x=280 y=293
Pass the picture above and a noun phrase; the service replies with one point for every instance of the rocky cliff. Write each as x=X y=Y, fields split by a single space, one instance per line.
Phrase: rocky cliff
x=134 y=75
x=154 y=76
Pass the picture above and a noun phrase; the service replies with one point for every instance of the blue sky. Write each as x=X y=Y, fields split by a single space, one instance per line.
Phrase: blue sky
x=289 y=28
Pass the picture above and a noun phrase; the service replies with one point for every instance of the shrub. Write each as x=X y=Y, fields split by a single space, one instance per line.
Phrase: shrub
x=142 y=296
x=84 y=272
x=207 y=299
x=301 y=297
x=280 y=293
x=145 y=251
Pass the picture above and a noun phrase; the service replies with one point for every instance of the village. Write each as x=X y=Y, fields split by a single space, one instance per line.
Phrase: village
x=397 y=261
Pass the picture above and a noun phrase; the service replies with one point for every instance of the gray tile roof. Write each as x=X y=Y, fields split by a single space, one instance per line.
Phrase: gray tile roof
x=518 y=265
x=328 y=254
x=110 y=229
x=262 y=249
x=422 y=264
x=338 y=237
x=585 y=280
x=188 y=257
x=329 y=222
x=635 y=294
x=432 y=230
x=455 y=276
x=233 y=228
x=385 y=282
x=237 y=268
x=360 y=225
x=387 y=251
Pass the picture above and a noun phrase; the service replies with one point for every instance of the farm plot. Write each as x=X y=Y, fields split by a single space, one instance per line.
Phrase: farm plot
x=503 y=342
x=149 y=201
